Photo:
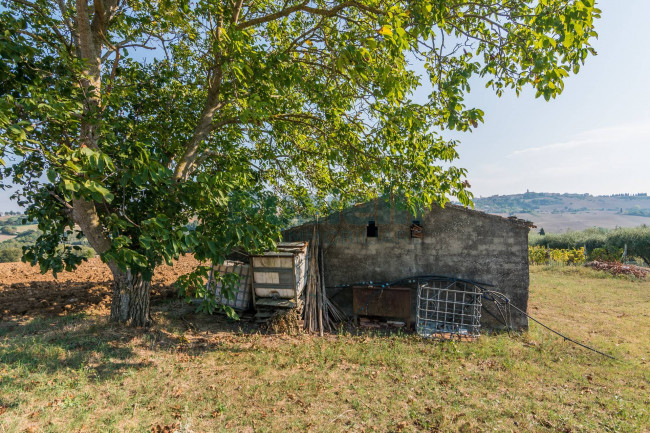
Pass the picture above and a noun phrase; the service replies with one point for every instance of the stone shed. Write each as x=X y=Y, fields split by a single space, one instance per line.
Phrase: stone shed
x=378 y=242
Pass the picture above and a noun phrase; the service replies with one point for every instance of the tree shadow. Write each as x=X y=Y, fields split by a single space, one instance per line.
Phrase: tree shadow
x=56 y=298
x=72 y=342
x=78 y=341
x=103 y=350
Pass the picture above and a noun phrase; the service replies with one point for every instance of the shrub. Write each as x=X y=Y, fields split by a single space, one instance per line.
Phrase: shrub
x=606 y=242
x=590 y=238
x=8 y=230
x=13 y=221
x=538 y=255
x=637 y=240
x=605 y=254
x=576 y=256
x=543 y=256
x=8 y=255
x=85 y=252
x=27 y=237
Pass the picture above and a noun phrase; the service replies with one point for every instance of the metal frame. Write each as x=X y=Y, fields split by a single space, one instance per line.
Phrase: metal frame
x=243 y=296
x=448 y=309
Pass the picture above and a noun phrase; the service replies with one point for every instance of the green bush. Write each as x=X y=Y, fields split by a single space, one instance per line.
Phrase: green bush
x=11 y=250
x=13 y=221
x=637 y=240
x=27 y=237
x=600 y=242
x=85 y=252
x=605 y=254
x=591 y=238
x=8 y=255
x=8 y=230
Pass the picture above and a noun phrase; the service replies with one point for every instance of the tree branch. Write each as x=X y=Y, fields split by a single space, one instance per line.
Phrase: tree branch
x=302 y=7
x=237 y=11
x=42 y=13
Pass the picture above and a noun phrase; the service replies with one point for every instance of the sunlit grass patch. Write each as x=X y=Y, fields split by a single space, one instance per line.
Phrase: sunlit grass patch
x=81 y=374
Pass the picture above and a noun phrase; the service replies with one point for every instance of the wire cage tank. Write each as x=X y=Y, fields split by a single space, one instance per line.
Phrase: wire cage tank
x=448 y=309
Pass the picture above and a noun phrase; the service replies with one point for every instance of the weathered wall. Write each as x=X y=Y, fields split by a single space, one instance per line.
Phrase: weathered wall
x=456 y=242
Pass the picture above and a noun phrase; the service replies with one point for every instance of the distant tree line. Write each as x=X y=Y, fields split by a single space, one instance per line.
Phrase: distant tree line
x=14 y=221
x=637 y=212
x=8 y=226
x=627 y=194
x=12 y=249
x=555 y=202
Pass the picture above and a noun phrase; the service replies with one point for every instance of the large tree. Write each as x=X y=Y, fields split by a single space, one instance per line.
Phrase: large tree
x=135 y=119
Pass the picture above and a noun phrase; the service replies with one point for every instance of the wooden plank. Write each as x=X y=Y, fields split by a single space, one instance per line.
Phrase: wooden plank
x=270 y=302
x=266 y=277
x=273 y=262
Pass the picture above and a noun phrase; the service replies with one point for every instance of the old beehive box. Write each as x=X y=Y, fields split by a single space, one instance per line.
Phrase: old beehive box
x=279 y=276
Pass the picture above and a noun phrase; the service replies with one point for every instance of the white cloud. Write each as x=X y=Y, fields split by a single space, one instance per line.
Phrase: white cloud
x=618 y=134
x=607 y=160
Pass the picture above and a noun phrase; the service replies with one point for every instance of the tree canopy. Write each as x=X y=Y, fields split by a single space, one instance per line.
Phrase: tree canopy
x=132 y=119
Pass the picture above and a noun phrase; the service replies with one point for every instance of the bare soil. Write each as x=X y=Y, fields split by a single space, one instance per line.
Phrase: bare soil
x=25 y=292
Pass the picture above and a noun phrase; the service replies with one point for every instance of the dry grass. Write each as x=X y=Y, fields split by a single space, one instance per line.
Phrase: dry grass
x=77 y=373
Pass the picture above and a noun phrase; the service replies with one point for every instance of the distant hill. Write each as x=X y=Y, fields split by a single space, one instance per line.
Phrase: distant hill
x=561 y=212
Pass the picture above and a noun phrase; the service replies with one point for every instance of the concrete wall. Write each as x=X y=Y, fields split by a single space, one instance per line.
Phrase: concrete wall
x=456 y=242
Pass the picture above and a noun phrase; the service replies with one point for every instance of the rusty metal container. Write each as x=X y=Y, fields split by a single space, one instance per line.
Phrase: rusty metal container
x=388 y=302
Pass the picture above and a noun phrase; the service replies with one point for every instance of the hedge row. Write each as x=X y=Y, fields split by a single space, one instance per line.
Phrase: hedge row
x=607 y=243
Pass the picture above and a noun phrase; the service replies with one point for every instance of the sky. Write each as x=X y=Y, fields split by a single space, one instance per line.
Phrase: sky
x=594 y=138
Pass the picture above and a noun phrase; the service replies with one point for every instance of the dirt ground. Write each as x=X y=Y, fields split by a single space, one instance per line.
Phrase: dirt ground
x=25 y=292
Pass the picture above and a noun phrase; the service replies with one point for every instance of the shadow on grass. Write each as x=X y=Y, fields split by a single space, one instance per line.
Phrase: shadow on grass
x=70 y=342
x=102 y=350
x=90 y=343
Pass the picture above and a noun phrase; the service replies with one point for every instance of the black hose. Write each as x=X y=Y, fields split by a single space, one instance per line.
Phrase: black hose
x=507 y=301
x=564 y=336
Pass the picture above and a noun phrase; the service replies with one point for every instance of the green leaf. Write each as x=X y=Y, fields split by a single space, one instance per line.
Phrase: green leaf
x=297 y=129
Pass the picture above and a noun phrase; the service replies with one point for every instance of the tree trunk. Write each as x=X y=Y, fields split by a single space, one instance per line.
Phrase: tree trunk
x=130 y=305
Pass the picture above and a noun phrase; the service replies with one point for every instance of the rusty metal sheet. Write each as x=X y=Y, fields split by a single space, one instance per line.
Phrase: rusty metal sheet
x=389 y=302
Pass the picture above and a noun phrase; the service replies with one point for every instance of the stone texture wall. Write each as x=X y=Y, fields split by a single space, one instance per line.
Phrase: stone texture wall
x=456 y=242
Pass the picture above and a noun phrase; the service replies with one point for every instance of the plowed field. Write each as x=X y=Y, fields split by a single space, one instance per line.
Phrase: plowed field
x=25 y=292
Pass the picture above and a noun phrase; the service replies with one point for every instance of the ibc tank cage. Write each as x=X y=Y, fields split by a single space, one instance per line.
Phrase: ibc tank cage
x=448 y=309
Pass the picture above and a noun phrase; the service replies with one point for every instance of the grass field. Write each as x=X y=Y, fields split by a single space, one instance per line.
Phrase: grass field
x=566 y=221
x=19 y=229
x=76 y=373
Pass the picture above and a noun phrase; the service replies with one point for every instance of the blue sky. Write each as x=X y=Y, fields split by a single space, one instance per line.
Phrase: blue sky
x=594 y=138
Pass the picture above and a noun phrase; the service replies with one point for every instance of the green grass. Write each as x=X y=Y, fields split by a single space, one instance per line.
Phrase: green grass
x=79 y=374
